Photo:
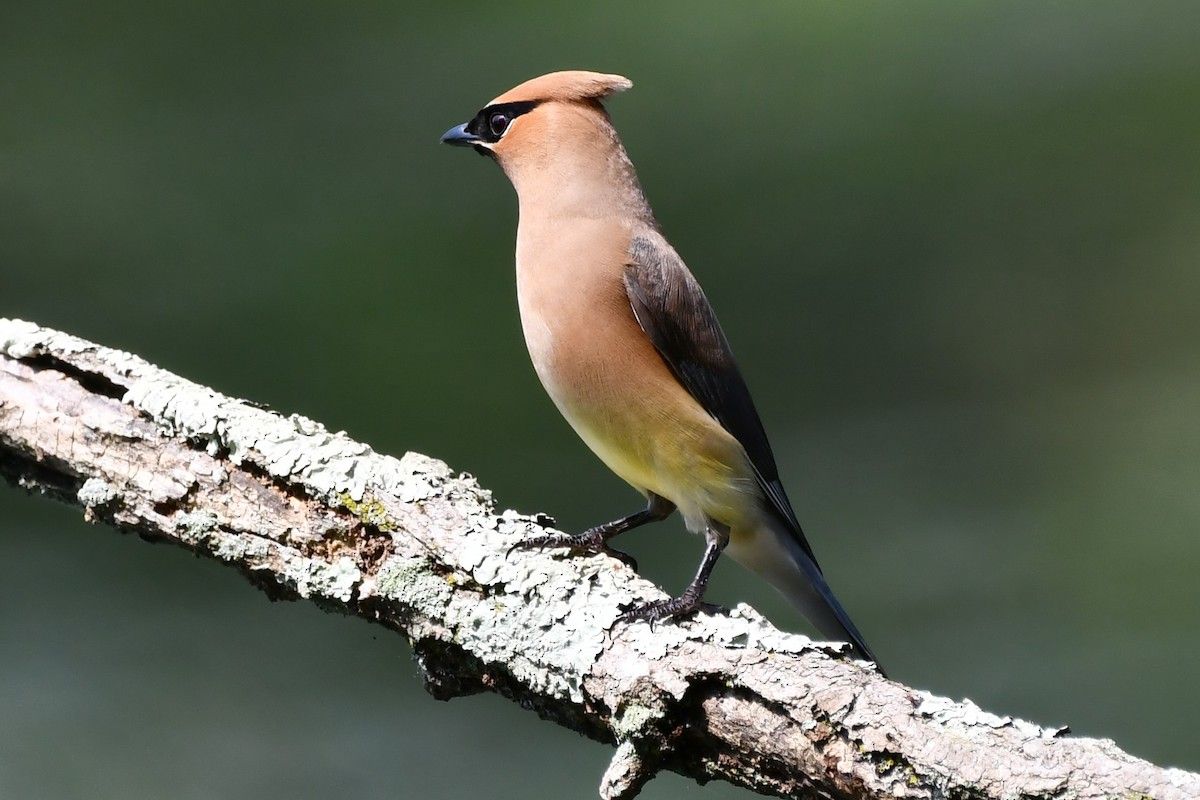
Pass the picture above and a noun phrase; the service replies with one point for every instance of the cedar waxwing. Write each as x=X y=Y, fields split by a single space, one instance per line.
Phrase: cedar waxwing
x=628 y=347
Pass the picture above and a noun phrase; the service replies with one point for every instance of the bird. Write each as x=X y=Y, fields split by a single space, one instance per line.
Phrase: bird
x=627 y=345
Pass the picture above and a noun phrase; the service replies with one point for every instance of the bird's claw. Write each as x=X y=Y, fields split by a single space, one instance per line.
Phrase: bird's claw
x=582 y=544
x=671 y=608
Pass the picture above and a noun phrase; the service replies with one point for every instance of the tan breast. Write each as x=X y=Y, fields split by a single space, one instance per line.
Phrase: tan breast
x=585 y=343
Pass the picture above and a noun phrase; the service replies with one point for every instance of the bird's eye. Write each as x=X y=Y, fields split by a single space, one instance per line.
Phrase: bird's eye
x=498 y=122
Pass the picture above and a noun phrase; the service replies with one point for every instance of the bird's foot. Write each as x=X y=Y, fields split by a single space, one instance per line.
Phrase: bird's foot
x=588 y=542
x=671 y=608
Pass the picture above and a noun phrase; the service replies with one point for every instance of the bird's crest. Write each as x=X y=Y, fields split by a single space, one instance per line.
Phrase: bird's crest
x=567 y=86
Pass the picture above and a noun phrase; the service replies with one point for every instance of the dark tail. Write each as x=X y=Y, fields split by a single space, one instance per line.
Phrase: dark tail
x=797 y=576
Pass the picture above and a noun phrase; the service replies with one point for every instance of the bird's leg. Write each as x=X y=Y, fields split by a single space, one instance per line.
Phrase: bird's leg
x=717 y=536
x=595 y=540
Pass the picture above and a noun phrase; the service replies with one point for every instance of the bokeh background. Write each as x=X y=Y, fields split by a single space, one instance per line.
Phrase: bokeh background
x=953 y=243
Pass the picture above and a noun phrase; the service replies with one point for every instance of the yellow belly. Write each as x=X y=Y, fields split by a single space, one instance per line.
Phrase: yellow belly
x=685 y=457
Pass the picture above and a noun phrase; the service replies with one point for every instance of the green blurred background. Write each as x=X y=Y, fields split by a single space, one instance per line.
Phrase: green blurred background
x=954 y=245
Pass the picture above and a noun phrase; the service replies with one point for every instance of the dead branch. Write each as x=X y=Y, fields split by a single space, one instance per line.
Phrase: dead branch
x=305 y=513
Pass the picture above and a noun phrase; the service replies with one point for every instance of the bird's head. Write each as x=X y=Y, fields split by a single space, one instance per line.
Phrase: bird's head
x=552 y=120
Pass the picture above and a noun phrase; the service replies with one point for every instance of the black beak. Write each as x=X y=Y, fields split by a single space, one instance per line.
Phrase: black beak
x=459 y=136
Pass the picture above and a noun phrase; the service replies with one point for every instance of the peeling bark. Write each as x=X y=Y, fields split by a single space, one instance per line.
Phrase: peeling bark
x=409 y=544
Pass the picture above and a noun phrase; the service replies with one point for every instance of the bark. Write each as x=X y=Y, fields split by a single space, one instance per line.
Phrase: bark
x=309 y=514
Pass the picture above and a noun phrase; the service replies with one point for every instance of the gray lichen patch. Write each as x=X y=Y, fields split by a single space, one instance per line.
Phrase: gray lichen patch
x=195 y=526
x=293 y=446
x=97 y=493
x=253 y=550
x=632 y=720
x=330 y=466
x=412 y=582
x=315 y=578
x=741 y=630
x=22 y=339
x=966 y=715
x=530 y=616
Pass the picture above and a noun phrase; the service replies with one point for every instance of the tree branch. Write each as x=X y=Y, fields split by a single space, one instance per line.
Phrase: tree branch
x=305 y=513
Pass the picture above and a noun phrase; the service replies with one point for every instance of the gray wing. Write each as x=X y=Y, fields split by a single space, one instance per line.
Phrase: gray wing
x=671 y=308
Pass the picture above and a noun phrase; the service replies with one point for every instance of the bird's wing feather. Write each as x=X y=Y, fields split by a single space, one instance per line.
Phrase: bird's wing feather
x=671 y=308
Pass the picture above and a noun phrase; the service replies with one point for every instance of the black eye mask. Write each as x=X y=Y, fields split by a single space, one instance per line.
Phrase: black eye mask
x=491 y=122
